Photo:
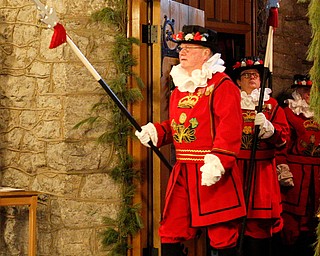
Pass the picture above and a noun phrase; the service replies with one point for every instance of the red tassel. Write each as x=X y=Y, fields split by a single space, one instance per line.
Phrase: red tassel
x=59 y=36
x=273 y=17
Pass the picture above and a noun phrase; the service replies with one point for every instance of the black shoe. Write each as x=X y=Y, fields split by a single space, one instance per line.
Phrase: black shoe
x=175 y=249
x=256 y=247
x=228 y=252
x=224 y=252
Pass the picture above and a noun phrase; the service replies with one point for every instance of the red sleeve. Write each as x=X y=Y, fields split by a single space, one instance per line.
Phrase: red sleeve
x=281 y=152
x=281 y=127
x=228 y=123
x=296 y=126
x=164 y=133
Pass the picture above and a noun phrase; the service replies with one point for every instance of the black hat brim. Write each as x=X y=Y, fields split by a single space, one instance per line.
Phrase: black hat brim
x=235 y=74
x=213 y=47
x=211 y=40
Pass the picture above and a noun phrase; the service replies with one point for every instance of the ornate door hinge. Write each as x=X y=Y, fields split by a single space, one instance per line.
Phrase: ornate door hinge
x=149 y=34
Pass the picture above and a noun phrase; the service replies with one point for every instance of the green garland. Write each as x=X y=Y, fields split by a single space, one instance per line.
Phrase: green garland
x=314 y=55
x=128 y=222
x=317 y=244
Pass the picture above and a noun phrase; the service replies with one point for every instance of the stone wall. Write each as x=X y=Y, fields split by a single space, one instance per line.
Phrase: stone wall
x=43 y=94
x=291 y=41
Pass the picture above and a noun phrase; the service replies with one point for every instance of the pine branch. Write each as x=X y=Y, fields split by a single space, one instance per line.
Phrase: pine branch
x=128 y=221
x=313 y=55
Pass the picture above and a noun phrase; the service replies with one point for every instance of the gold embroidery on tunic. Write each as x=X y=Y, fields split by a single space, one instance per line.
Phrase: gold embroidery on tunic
x=310 y=147
x=247 y=130
x=209 y=90
x=246 y=141
x=266 y=107
x=182 y=133
x=311 y=125
x=188 y=101
x=249 y=116
x=206 y=90
x=191 y=100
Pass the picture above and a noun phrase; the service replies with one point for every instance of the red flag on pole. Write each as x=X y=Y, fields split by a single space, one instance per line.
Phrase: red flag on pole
x=59 y=36
x=273 y=6
x=273 y=17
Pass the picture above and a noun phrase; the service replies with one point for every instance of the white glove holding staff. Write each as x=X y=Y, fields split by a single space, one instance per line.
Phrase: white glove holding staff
x=148 y=132
x=211 y=170
x=266 y=127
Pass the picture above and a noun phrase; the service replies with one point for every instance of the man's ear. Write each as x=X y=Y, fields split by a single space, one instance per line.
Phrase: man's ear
x=207 y=53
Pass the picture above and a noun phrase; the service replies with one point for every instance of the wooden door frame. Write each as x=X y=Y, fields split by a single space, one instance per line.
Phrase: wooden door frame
x=156 y=71
x=138 y=13
x=137 y=16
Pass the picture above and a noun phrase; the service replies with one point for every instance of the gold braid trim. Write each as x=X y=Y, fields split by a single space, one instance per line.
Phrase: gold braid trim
x=223 y=151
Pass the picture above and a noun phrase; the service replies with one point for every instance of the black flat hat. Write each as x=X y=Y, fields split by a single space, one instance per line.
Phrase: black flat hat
x=195 y=34
x=252 y=62
x=301 y=81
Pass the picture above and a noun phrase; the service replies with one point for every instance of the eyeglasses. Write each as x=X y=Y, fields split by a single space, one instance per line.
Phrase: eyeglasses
x=248 y=75
x=187 y=49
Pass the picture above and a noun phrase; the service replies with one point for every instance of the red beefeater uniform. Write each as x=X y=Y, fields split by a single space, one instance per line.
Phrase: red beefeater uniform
x=207 y=121
x=265 y=198
x=304 y=161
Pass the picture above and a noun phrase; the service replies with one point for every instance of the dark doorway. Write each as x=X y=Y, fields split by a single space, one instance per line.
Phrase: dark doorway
x=232 y=48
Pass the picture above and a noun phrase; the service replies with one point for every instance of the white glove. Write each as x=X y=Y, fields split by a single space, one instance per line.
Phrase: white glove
x=211 y=170
x=285 y=177
x=148 y=132
x=266 y=127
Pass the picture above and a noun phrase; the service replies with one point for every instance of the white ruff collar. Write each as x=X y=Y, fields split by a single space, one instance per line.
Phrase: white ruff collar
x=299 y=105
x=252 y=100
x=198 y=78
